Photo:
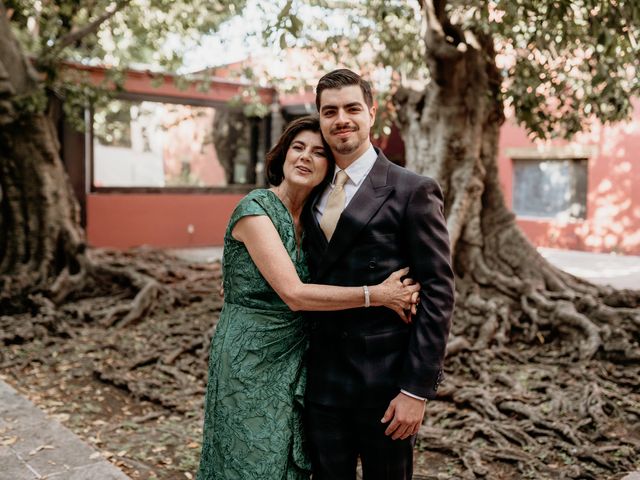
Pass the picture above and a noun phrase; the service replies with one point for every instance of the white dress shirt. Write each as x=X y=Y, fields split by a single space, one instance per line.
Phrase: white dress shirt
x=356 y=172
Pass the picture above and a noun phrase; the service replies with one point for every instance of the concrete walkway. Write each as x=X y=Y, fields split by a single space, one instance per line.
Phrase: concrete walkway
x=33 y=446
x=620 y=271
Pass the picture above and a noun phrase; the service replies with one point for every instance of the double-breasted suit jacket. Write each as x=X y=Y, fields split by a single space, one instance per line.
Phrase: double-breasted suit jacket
x=363 y=357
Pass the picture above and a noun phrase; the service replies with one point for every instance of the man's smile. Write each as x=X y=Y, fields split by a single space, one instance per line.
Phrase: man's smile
x=343 y=132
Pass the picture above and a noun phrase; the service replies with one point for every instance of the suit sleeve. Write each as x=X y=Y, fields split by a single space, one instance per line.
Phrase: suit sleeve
x=427 y=239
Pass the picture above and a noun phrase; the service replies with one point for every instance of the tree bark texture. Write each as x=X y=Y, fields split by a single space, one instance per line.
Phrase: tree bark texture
x=42 y=245
x=533 y=350
x=40 y=235
x=230 y=128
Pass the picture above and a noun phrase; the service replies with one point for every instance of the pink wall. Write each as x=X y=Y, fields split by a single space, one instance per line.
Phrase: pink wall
x=127 y=220
x=612 y=223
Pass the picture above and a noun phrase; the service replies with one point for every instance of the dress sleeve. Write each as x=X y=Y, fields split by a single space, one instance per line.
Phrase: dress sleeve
x=249 y=206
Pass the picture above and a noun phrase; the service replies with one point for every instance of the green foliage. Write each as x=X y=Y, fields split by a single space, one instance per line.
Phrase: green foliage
x=117 y=33
x=155 y=32
x=250 y=102
x=565 y=62
x=31 y=103
x=574 y=60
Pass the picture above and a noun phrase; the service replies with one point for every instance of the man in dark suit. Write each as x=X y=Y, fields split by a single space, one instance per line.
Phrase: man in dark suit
x=370 y=374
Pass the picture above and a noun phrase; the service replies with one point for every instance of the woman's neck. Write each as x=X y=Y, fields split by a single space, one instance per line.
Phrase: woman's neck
x=292 y=198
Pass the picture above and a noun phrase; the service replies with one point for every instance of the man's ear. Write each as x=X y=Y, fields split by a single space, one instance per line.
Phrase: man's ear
x=372 y=114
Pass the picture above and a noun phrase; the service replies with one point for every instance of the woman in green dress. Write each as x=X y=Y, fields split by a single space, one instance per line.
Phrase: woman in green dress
x=253 y=408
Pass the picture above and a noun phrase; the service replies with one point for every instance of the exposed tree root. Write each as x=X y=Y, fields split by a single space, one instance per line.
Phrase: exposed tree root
x=519 y=397
x=538 y=360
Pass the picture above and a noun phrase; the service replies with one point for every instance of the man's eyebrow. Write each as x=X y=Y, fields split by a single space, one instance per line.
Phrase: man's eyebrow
x=348 y=105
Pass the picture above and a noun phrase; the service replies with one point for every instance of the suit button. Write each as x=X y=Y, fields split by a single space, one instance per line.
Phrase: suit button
x=372 y=264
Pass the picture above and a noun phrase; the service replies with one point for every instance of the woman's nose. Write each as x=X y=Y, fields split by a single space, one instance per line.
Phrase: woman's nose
x=305 y=154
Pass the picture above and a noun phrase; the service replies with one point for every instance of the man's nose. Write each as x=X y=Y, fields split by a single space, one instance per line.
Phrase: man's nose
x=341 y=116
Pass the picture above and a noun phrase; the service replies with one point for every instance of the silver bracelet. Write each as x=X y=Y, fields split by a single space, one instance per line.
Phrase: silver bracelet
x=366 y=296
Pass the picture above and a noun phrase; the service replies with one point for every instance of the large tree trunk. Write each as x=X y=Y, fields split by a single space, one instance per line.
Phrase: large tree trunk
x=42 y=245
x=229 y=137
x=40 y=236
x=541 y=364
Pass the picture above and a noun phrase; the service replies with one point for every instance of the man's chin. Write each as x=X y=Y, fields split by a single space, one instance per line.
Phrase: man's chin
x=345 y=148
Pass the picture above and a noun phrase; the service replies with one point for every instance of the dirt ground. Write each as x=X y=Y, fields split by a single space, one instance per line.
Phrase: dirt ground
x=136 y=391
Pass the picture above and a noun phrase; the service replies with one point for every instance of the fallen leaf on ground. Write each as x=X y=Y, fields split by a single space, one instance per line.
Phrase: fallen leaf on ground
x=41 y=447
x=9 y=441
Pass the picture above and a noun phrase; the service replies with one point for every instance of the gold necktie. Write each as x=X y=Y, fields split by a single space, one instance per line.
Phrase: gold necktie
x=335 y=205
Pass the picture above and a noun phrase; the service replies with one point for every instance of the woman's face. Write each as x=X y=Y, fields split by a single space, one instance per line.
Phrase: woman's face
x=306 y=163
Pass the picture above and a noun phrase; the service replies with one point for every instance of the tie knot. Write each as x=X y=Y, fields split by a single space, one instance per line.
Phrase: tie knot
x=341 y=178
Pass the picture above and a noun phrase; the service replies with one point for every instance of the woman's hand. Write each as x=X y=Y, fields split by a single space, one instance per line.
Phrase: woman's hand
x=399 y=295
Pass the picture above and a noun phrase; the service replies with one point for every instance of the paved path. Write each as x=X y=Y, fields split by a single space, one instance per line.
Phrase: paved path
x=620 y=271
x=34 y=446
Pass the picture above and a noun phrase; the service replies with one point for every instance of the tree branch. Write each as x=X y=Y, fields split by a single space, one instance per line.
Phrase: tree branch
x=438 y=8
x=434 y=27
x=17 y=76
x=435 y=38
x=77 y=34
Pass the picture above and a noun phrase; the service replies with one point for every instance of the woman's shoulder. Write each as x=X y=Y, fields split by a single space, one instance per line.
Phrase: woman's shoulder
x=257 y=194
x=256 y=201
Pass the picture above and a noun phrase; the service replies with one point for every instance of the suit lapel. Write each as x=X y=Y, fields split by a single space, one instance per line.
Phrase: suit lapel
x=313 y=231
x=366 y=202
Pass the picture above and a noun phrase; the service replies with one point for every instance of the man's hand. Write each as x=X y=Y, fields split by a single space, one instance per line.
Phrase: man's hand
x=406 y=414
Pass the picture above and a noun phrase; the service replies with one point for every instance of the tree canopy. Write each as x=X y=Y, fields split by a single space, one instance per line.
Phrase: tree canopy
x=116 y=33
x=564 y=62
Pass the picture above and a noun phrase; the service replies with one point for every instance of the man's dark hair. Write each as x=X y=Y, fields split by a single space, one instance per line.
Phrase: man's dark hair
x=344 y=78
x=277 y=155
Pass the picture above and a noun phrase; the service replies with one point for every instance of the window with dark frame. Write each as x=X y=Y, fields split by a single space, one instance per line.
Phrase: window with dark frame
x=150 y=143
x=550 y=188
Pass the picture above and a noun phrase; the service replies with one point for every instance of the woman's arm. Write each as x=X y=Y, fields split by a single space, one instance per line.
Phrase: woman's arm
x=270 y=256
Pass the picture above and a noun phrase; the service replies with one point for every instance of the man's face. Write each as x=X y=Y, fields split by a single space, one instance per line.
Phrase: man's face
x=345 y=121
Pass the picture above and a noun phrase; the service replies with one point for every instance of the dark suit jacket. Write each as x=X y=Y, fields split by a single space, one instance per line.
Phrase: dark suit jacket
x=364 y=356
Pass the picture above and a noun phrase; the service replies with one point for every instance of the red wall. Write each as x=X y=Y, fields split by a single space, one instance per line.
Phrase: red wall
x=148 y=83
x=162 y=220
x=124 y=220
x=612 y=223
x=613 y=200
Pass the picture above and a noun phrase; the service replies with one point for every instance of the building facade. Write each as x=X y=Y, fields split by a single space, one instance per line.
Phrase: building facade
x=165 y=166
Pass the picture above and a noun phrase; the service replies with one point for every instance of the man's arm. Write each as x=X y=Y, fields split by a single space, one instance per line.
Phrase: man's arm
x=427 y=239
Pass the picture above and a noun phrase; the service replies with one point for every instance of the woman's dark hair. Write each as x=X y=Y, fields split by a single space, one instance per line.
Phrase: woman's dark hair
x=277 y=155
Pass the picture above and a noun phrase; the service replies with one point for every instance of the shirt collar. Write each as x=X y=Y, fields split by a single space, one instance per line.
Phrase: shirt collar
x=359 y=169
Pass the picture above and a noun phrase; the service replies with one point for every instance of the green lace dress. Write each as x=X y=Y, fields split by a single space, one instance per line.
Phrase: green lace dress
x=253 y=407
